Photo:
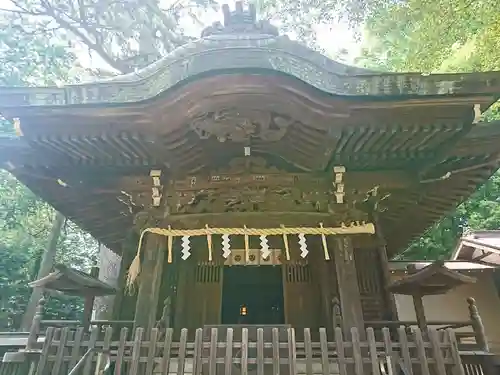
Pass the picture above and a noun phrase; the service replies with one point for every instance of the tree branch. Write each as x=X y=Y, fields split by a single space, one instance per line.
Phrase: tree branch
x=96 y=47
x=23 y=12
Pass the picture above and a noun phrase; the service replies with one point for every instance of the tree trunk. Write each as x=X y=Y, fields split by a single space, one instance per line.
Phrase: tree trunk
x=46 y=266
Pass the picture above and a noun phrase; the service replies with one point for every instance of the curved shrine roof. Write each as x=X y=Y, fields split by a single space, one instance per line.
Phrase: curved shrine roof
x=243 y=45
x=89 y=149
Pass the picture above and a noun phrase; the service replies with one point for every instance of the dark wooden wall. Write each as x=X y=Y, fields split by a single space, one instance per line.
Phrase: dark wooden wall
x=309 y=287
x=370 y=281
x=301 y=295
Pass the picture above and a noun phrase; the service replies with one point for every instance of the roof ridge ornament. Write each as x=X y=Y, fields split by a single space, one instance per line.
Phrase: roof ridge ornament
x=240 y=21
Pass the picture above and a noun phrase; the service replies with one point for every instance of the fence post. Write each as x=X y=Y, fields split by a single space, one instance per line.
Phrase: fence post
x=35 y=324
x=164 y=321
x=487 y=364
x=336 y=313
x=88 y=304
x=477 y=325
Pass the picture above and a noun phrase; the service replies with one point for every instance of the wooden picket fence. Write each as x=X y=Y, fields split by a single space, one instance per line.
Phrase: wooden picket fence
x=228 y=351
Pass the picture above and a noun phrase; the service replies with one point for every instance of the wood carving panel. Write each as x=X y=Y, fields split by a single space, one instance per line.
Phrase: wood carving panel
x=251 y=187
x=239 y=125
x=248 y=185
x=251 y=199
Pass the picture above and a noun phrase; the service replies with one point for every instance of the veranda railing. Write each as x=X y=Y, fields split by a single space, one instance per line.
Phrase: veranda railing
x=218 y=352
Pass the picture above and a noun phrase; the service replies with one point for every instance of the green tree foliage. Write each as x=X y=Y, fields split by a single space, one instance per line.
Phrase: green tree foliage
x=25 y=223
x=25 y=57
x=123 y=34
x=435 y=36
x=25 y=220
x=441 y=36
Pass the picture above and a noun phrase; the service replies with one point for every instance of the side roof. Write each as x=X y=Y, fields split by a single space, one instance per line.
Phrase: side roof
x=479 y=246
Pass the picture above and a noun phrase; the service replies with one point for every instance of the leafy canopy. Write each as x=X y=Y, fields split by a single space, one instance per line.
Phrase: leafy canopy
x=25 y=221
x=441 y=36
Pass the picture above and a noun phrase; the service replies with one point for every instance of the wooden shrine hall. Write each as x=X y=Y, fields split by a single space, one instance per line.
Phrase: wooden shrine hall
x=249 y=182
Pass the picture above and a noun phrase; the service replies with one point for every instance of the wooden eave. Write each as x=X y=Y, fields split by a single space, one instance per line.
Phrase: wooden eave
x=431 y=280
x=174 y=107
x=359 y=132
x=474 y=158
x=73 y=282
x=91 y=191
x=400 y=268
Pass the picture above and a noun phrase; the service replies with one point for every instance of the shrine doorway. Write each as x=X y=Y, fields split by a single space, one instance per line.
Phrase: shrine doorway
x=252 y=295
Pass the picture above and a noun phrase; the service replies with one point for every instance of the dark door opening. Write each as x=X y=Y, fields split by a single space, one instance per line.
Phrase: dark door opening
x=252 y=295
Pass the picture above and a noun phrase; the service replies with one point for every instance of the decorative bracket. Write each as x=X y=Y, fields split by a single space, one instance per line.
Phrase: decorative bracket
x=338 y=183
x=157 y=187
x=373 y=201
x=17 y=126
x=477 y=114
x=240 y=21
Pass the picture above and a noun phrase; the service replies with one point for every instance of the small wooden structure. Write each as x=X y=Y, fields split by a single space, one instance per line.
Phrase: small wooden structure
x=75 y=282
x=431 y=280
x=246 y=170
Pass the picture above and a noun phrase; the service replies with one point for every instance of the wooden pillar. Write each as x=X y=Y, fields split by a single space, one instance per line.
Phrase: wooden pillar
x=477 y=325
x=149 y=283
x=420 y=312
x=36 y=323
x=88 y=304
x=323 y=279
x=487 y=361
x=46 y=266
x=326 y=296
x=122 y=302
x=391 y=308
x=347 y=279
x=184 y=285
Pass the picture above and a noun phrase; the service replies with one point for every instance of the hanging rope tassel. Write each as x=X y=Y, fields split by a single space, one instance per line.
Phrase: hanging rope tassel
x=285 y=242
x=325 y=245
x=135 y=267
x=209 y=243
x=247 y=245
x=170 y=240
x=17 y=127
